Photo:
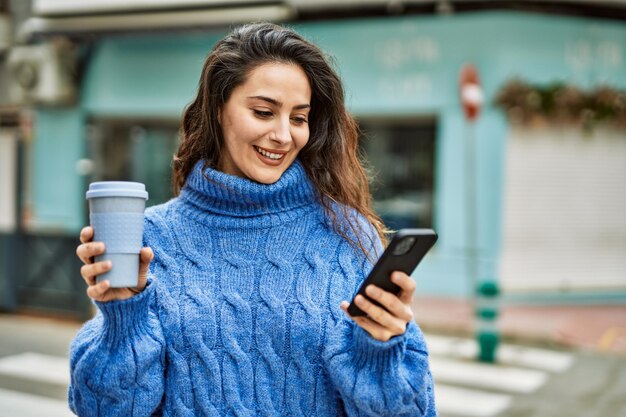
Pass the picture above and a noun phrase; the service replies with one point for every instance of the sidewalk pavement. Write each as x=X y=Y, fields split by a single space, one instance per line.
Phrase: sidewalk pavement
x=597 y=328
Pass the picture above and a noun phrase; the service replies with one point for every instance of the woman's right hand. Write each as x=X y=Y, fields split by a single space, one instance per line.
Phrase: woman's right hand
x=102 y=291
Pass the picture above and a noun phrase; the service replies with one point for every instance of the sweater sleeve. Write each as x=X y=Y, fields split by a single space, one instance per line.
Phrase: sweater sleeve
x=117 y=360
x=377 y=378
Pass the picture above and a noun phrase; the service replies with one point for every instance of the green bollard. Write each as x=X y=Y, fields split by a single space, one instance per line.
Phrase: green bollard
x=487 y=333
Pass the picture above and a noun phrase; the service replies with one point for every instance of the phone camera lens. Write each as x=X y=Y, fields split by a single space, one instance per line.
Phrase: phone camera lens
x=404 y=246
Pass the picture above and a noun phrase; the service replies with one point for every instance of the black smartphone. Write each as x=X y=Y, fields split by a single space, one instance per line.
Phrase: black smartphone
x=407 y=248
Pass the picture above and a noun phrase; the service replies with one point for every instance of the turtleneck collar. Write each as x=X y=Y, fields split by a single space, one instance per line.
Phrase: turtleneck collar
x=212 y=191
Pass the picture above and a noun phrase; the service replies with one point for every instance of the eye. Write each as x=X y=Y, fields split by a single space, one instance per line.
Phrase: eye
x=263 y=114
x=299 y=120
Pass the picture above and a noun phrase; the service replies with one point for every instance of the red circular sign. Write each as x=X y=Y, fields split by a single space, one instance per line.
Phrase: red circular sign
x=470 y=91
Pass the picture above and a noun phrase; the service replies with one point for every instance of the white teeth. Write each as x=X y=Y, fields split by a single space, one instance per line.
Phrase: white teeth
x=269 y=155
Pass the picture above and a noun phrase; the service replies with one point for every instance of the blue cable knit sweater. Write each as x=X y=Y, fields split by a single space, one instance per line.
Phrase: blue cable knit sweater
x=241 y=317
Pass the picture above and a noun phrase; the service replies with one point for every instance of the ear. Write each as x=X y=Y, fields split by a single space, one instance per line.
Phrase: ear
x=219 y=116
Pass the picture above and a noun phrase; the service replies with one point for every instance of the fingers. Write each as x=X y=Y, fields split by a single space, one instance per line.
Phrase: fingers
x=375 y=330
x=101 y=291
x=86 y=234
x=378 y=315
x=391 y=303
x=89 y=271
x=87 y=251
x=98 y=291
x=406 y=284
x=391 y=317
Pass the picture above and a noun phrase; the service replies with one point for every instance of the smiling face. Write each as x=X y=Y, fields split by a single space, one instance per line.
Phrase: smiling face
x=265 y=122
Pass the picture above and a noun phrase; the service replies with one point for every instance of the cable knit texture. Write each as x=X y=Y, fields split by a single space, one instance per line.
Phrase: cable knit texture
x=241 y=316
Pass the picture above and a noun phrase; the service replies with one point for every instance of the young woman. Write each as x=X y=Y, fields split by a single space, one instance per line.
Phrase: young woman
x=245 y=274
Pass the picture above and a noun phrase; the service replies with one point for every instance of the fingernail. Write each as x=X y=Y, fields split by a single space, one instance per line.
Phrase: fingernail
x=108 y=264
x=373 y=291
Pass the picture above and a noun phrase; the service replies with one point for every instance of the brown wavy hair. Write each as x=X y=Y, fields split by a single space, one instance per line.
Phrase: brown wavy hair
x=330 y=158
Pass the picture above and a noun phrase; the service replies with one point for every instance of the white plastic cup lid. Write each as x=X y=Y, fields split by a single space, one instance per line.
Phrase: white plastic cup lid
x=117 y=189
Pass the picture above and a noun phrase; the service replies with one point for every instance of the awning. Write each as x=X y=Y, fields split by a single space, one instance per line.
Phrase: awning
x=151 y=21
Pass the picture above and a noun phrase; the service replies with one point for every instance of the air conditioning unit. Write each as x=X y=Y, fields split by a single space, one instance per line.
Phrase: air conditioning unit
x=43 y=74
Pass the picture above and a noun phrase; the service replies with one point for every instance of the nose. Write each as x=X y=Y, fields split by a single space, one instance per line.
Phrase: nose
x=282 y=133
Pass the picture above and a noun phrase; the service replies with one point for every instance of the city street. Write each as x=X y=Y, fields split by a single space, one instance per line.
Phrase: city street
x=34 y=370
x=261 y=148
x=525 y=382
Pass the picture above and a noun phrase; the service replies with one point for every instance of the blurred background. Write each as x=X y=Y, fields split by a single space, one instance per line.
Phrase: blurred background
x=500 y=124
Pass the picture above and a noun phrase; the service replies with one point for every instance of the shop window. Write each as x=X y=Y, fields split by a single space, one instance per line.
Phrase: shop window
x=401 y=156
x=125 y=151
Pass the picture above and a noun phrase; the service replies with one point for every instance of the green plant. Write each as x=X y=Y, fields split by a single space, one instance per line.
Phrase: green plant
x=559 y=102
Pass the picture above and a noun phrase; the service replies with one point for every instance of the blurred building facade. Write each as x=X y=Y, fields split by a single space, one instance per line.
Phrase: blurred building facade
x=95 y=91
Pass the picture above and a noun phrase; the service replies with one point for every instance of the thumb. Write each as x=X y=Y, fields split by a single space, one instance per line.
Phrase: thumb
x=145 y=257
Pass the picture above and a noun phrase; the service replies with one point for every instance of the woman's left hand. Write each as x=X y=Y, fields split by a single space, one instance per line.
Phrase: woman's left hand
x=384 y=323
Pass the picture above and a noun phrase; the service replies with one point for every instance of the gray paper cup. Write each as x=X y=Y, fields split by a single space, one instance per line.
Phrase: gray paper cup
x=116 y=215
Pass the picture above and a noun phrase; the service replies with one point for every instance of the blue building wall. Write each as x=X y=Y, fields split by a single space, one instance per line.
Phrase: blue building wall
x=59 y=145
x=400 y=66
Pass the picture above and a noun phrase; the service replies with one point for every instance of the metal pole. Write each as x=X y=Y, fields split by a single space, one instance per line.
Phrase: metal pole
x=471 y=218
x=484 y=292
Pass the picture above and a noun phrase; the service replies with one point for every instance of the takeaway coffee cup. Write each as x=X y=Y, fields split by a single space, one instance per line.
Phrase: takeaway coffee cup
x=116 y=215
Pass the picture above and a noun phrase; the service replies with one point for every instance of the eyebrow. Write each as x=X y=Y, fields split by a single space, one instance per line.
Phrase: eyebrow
x=279 y=104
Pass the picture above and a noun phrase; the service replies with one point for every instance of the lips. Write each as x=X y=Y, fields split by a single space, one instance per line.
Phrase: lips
x=273 y=155
x=269 y=156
